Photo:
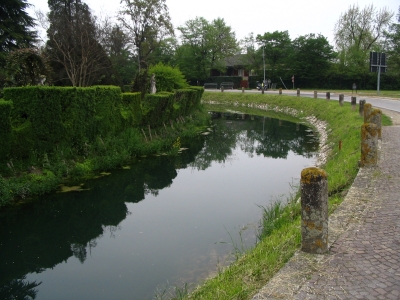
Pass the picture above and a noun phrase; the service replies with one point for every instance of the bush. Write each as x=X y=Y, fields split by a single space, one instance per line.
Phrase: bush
x=168 y=78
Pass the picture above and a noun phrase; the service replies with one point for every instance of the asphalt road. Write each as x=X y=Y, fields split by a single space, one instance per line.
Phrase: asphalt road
x=381 y=102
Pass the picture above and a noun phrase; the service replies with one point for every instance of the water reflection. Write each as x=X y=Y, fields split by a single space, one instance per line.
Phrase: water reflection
x=261 y=136
x=38 y=237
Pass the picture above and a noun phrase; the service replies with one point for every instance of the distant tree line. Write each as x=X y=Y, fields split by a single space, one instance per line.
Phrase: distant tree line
x=83 y=50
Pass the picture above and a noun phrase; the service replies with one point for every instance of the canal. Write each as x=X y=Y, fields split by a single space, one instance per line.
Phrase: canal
x=160 y=222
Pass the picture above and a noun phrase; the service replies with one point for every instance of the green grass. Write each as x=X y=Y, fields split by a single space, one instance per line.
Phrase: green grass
x=281 y=235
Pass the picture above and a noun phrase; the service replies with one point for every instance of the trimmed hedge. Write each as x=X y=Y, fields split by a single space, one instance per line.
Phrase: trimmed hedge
x=131 y=110
x=53 y=115
x=43 y=118
x=5 y=128
x=157 y=108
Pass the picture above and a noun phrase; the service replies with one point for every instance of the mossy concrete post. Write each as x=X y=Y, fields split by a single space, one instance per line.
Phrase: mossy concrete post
x=242 y=89
x=262 y=90
x=314 y=210
x=222 y=88
x=367 y=112
x=369 y=145
x=315 y=94
x=280 y=91
x=341 y=99
x=298 y=92
x=361 y=107
x=376 y=118
x=353 y=102
x=328 y=95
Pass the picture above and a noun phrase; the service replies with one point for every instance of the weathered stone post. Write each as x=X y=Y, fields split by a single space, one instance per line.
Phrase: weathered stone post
x=367 y=112
x=242 y=89
x=376 y=118
x=341 y=99
x=314 y=210
x=369 y=145
x=280 y=91
x=262 y=90
x=328 y=95
x=298 y=92
x=315 y=94
x=222 y=88
x=361 y=107
x=353 y=102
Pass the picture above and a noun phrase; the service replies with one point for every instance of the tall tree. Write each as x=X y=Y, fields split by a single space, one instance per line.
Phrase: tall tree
x=357 y=31
x=311 y=58
x=252 y=58
x=393 y=46
x=206 y=45
x=15 y=26
x=277 y=46
x=147 y=23
x=73 y=43
x=117 y=45
x=15 y=30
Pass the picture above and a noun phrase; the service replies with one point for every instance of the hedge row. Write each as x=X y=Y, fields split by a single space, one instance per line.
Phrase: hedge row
x=40 y=118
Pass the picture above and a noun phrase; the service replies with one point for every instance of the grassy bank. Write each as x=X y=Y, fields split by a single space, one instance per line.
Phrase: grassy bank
x=21 y=180
x=281 y=235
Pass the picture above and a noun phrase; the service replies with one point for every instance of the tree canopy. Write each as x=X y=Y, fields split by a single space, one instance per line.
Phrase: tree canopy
x=15 y=26
x=357 y=31
x=205 y=46
x=73 y=43
x=147 y=23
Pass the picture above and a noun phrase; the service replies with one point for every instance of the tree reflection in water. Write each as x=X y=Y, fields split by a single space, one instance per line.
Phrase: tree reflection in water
x=40 y=235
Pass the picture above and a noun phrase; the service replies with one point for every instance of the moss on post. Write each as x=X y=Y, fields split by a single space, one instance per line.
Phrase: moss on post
x=369 y=145
x=314 y=210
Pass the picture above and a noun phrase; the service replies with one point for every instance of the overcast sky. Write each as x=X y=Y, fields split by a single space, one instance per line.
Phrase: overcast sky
x=297 y=17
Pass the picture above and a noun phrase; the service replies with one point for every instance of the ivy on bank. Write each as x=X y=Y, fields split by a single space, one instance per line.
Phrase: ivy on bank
x=49 y=133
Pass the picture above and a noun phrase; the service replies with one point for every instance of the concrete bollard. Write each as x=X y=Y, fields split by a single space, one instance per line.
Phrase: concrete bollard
x=369 y=145
x=353 y=102
x=242 y=89
x=314 y=210
x=376 y=118
x=222 y=89
x=361 y=107
x=262 y=91
x=328 y=95
x=367 y=112
x=280 y=91
x=298 y=92
x=341 y=99
x=315 y=94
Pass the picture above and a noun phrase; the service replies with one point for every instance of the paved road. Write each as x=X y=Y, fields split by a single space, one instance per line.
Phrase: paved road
x=381 y=102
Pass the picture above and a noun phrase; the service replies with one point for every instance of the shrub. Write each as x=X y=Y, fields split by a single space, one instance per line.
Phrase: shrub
x=168 y=78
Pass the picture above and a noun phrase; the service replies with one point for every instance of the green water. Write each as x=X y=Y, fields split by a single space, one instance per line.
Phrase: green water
x=165 y=221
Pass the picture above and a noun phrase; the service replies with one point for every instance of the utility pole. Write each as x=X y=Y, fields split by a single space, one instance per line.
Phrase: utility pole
x=264 y=59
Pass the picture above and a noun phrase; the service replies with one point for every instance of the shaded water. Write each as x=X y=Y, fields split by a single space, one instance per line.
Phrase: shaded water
x=166 y=220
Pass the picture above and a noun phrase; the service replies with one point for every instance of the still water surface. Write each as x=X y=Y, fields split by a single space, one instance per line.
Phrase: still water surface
x=163 y=222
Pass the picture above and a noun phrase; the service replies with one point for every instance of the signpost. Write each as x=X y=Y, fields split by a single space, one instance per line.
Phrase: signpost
x=377 y=62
